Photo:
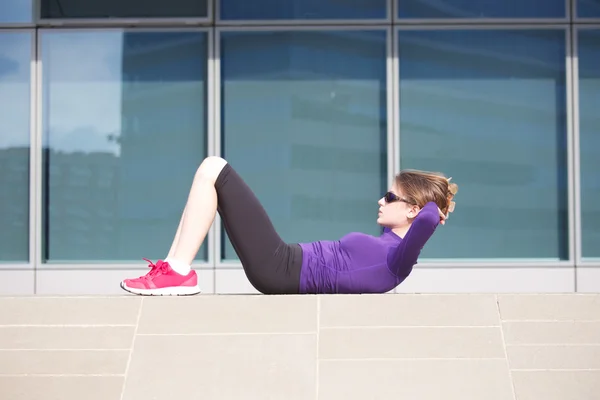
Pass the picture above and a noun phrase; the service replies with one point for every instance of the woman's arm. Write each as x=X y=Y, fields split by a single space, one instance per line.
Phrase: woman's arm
x=406 y=254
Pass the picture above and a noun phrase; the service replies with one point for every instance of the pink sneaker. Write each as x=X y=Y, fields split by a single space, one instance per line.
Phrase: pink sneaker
x=163 y=281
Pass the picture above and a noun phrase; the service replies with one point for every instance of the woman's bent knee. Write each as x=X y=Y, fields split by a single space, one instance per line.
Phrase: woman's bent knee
x=211 y=167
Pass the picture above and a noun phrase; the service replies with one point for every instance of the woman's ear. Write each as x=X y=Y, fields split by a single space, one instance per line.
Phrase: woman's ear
x=414 y=211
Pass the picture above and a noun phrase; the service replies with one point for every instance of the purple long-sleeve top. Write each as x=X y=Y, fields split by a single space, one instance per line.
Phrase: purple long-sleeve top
x=361 y=263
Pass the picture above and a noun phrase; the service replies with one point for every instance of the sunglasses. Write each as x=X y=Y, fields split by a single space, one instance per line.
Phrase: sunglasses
x=390 y=197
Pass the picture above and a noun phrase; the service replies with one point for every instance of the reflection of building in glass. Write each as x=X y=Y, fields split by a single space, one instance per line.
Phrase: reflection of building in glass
x=82 y=205
x=105 y=189
x=14 y=203
x=163 y=118
x=163 y=105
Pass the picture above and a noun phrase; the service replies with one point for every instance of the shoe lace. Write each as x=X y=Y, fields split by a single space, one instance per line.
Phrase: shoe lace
x=155 y=269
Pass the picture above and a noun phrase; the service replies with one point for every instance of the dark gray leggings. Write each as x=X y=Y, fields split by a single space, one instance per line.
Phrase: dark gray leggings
x=271 y=265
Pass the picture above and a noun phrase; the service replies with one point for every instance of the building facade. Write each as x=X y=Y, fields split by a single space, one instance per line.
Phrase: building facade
x=107 y=110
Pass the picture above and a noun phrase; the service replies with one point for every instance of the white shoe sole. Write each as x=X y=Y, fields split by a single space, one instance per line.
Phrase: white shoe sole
x=168 y=291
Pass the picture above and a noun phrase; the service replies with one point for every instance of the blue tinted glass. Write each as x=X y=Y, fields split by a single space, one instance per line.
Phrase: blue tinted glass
x=16 y=11
x=123 y=8
x=304 y=123
x=124 y=118
x=15 y=86
x=481 y=9
x=302 y=9
x=588 y=8
x=589 y=136
x=489 y=109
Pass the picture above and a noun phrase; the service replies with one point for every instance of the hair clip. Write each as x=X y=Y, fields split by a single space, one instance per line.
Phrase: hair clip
x=451 y=206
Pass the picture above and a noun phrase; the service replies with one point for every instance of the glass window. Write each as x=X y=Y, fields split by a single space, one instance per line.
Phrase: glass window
x=304 y=122
x=15 y=86
x=489 y=109
x=589 y=136
x=302 y=9
x=447 y=9
x=16 y=11
x=124 y=131
x=588 y=8
x=66 y=9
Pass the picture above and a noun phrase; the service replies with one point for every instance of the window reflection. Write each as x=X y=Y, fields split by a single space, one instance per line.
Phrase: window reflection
x=16 y=11
x=491 y=109
x=589 y=135
x=15 y=61
x=124 y=122
x=302 y=9
x=588 y=8
x=481 y=9
x=97 y=9
x=304 y=121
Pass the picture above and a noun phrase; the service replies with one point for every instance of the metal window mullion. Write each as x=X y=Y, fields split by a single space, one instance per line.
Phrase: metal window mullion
x=390 y=107
x=217 y=146
x=391 y=89
x=587 y=21
x=396 y=101
x=393 y=152
x=210 y=131
x=571 y=159
x=576 y=155
x=210 y=12
x=570 y=9
x=10 y=26
x=36 y=211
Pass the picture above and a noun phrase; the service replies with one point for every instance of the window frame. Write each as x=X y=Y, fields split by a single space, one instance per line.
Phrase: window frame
x=213 y=26
x=220 y=262
x=29 y=263
x=37 y=165
x=123 y=22
x=571 y=236
x=259 y=23
x=581 y=260
x=475 y=22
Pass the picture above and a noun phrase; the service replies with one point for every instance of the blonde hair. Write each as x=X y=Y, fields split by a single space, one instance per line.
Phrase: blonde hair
x=421 y=187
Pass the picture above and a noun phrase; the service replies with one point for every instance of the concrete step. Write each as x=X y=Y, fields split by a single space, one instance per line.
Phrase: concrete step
x=245 y=347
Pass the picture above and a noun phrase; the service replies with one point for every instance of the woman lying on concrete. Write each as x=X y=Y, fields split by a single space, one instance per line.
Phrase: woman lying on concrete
x=357 y=263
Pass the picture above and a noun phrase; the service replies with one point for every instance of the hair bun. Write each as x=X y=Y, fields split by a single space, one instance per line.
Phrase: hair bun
x=451 y=206
x=452 y=188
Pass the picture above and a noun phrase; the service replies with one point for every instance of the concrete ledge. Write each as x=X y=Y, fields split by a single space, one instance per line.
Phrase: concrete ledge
x=104 y=281
x=407 y=346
